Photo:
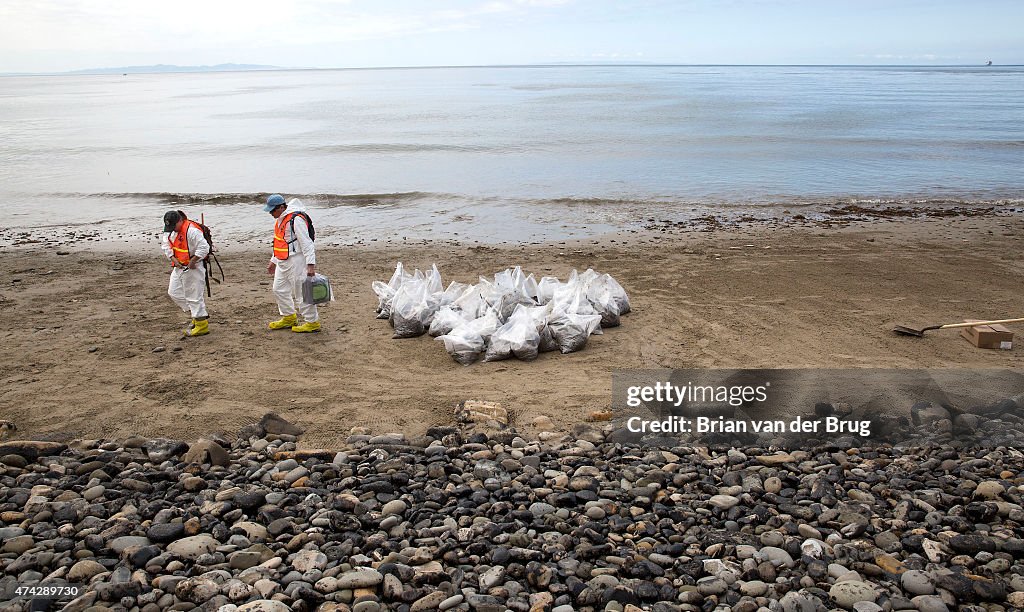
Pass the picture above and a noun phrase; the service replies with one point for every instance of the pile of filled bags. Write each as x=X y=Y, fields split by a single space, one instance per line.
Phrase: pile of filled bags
x=511 y=315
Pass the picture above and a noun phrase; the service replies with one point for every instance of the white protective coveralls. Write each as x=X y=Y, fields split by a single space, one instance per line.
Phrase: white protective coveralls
x=187 y=287
x=291 y=273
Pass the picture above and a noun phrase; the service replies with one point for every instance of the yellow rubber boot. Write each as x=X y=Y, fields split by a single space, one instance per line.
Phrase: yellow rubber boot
x=201 y=328
x=284 y=322
x=307 y=327
x=188 y=330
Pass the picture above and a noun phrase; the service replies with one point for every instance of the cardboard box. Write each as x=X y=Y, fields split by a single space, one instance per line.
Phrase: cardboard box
x=988 y=336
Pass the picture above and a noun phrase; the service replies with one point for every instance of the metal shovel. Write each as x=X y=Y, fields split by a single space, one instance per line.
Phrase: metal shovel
x=907 y=331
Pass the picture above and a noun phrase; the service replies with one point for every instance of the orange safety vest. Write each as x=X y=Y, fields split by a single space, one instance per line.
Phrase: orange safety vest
x=280 y=245
x=180 y=243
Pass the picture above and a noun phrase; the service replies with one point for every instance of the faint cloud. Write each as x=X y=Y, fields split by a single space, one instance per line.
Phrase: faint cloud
x=545 y=3
x=495 y=7
x=518 y=5
x=148 y=25
x=918 y=57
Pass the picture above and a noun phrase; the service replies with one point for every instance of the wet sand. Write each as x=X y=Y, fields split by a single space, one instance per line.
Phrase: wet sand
x=83 y=331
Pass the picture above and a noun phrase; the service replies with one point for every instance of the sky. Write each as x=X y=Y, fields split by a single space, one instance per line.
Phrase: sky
x=64 y=35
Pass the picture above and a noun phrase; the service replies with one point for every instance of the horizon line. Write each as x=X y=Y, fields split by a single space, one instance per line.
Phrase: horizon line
x=236 y=67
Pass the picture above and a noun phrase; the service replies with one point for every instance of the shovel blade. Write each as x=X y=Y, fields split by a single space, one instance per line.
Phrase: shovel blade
x=907 y=331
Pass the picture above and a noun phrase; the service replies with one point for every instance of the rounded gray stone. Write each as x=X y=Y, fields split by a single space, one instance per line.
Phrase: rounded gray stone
x=772 y=538
x=723 y=502
x=359 y=579
x=541 y=509
x=119 y=545
x=94 y=493
x=754 y=588
x=451 y=602
x=929 y=603
x=846 y=594
x=711 y=585
x=917 y=582
x=395 y=506
x=193 y=547
x=777 y=556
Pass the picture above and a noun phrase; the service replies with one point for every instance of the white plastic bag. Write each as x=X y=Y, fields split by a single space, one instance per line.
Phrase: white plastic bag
x=384 y=296
x=572 y=299
x=445 y=320
x=539 y=316
x=485 y=325
x=453 y=292
x=506 y=279
x=618 y=294
x=571 y=330
x=471 y=303
x=524 y=284
x=546 y=289
x=467 y=341
x=434 y=284
x=503 y=301
x=464 y=347
x=565 y=291
x=517 y=337
x=386 y=291
x=547 y=340
x=529 y=288
x=600 y=296
x=409 y=309
x=505 y=295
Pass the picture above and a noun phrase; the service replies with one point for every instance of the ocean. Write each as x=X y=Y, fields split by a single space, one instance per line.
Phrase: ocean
x=522 y=153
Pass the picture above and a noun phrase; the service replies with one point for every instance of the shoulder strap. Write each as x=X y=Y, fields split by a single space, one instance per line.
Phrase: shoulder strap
x=291 y=221
x=209 y=270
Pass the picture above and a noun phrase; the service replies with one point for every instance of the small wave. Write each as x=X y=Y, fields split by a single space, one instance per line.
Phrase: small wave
x=254 y=89
x=331 y=200
x=183 y=198
x=576 y=201
x=559 y=86
x=336 y=200
x=774 y=202
x=305 y=149
x=324 y=200
x=933 y=202
x=399 y=147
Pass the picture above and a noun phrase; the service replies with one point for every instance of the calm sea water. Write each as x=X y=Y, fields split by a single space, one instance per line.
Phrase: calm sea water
x=423 y=142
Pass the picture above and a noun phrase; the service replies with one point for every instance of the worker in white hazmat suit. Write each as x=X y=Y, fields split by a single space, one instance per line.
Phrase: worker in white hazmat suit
x=185 y=246
x=293 y=260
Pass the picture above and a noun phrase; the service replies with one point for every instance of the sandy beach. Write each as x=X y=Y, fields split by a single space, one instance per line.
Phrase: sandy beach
x=93 y=345
x=778 y=187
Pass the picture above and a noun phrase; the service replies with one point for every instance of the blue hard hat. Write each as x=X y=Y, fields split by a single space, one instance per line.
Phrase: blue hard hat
x=273 y=202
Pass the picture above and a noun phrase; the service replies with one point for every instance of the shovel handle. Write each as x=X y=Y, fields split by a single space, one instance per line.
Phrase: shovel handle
x=976 y=323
